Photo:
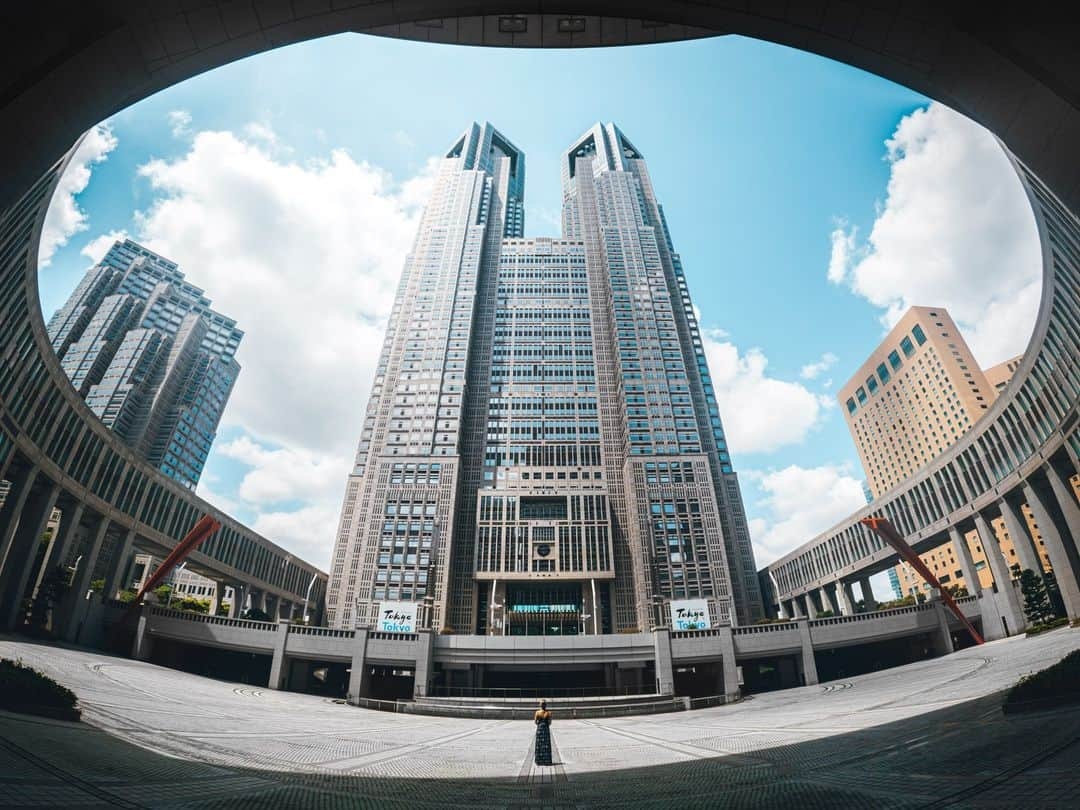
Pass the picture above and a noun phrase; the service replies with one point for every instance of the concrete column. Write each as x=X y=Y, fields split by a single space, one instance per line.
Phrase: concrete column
x=11 y=514
x=811 y=608
x=1066 y=502
x=259 y=601
x=944 y=635
x=425 y=663
x=843 y=597
x=358 y=674
x=731 y=670
x=868 y=594
x=781 y=611
x=1008 y=604
x=143 y=644
x=118 y=565
x=826 y=600
x=217 y=598
x=665 y=672
x=61 y=546
x=1026 y=553
x=849 y=595
x=1057 y=549
x=806 y=657
x=74 y=603
x=22 y=552
x=967 y=562
x=278 y=668
x=797 y=609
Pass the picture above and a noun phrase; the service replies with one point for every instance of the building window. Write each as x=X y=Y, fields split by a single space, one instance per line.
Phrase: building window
x=918 y=334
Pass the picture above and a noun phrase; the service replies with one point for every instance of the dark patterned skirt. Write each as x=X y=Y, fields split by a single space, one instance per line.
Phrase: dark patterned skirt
x=543 y=744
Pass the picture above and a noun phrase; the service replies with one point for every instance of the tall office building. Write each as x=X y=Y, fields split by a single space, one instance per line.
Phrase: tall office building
x=920 y=391
x=542 y=452
x=150 y=356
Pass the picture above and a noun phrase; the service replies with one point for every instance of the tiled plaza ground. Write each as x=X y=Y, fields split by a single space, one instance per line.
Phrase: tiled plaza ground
x=926 y=735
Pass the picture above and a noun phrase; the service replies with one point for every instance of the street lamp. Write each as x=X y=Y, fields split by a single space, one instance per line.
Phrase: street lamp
x=172 y=583
x=307 y=596
x=583 y=617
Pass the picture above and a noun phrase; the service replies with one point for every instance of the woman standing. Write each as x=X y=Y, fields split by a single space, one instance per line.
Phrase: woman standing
x=542 y=718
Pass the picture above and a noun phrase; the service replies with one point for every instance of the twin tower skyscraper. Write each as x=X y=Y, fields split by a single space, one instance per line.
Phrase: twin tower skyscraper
x=542 y=451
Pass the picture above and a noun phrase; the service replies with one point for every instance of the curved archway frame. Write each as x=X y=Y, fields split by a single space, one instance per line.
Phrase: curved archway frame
x=70 y=69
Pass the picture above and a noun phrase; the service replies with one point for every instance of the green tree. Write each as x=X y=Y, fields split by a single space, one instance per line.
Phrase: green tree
x=163 y=593
x=1037 y=605
x=257 y=615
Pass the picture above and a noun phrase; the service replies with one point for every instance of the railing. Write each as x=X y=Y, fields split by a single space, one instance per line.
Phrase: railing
x=671 y=704
x=773 y=627
x=523 y=693
x=203 y=618
x=323 y=632
x=712 y=633
x=380 y=636
x=873 y=614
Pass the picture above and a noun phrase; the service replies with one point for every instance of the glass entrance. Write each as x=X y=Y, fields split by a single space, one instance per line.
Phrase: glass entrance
x=546 y=609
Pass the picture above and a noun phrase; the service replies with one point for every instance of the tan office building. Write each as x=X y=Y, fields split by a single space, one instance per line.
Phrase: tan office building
x=916 y=394
x=998 y=376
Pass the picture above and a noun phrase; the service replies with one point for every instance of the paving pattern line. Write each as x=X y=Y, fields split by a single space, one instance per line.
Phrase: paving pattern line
x=111 y=799
x=379 y=757
x=1003 y=776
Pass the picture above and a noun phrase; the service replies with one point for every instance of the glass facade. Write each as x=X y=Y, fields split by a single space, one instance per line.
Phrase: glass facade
x=151 y=358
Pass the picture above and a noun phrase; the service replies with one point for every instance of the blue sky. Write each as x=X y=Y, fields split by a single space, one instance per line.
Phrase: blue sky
x=288 y=185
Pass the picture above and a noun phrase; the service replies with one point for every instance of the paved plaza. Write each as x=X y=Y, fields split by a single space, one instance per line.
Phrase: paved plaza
x=929 y=734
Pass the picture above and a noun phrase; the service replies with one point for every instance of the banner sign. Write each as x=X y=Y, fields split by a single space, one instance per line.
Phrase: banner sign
x=690 y=614
x=397 y=617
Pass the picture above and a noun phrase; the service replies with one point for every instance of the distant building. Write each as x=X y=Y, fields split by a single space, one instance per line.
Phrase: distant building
x=998 y=376
x=918 y=392
x=150 y=356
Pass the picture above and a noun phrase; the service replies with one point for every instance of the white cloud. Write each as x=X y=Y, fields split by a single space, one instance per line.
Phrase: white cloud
x=260 y=132
x=307 y=532
x=65 y=218
x=955 y=231
x=843 y=251
x=97 y=247
x=285 y=474
x=813 y=370
x=180 y=123
x=760 y=413
x=799 y=504
x=306 y=257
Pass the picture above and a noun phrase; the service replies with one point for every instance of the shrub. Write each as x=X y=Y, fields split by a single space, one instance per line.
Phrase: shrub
x=1042 y=627
x=257 y=615
x=25 y=690
x=825 y=614
x=1049 y=687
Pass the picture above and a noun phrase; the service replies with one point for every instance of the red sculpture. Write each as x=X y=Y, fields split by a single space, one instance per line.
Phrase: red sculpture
x=196 y=537
x=890 y=535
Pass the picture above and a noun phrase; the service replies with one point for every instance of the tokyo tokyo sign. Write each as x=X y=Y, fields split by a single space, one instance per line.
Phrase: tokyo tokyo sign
x=397 y=617
x=690 y=614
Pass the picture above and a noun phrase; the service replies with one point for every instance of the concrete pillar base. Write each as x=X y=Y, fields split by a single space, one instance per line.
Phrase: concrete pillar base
x=665 y=672
x=279 y=666
x=358 y=685
x=143 y=644
x=806 y=657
